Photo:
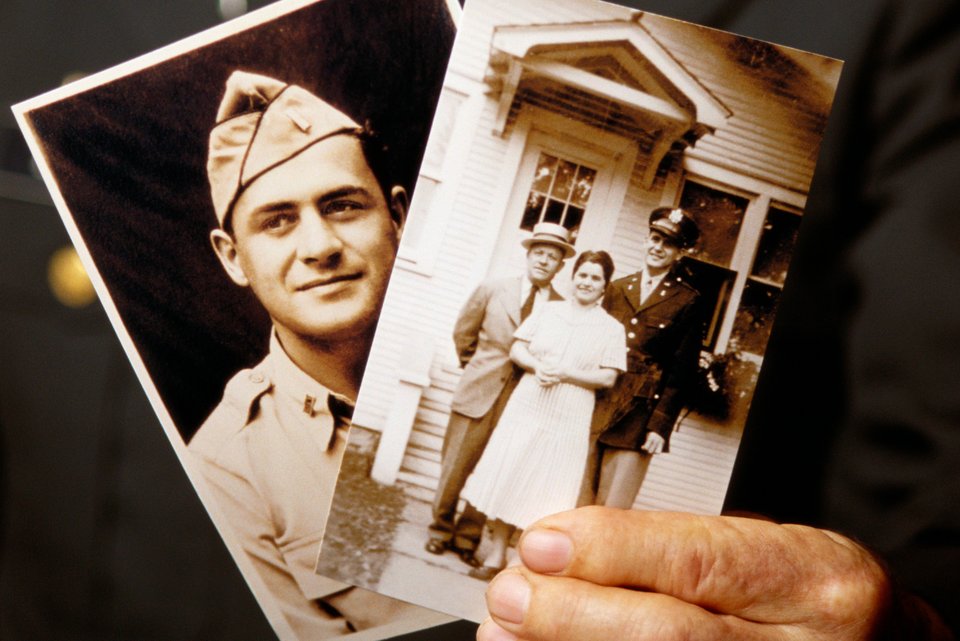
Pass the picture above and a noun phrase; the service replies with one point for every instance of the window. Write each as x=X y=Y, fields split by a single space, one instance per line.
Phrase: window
x=719 y=215
x=754 y=319
x=741 y=261
x=777 y=240
x=559 y=193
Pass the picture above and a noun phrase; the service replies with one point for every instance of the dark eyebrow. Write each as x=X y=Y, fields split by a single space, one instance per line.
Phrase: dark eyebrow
x=339 y=192
x=344 y=192
x=270 y=208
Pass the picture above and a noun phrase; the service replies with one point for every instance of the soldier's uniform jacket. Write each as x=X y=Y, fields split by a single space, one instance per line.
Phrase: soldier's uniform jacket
x=664 y=334
x=270 y=452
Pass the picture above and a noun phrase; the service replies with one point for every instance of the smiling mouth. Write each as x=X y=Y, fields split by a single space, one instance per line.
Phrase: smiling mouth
x=326 y=282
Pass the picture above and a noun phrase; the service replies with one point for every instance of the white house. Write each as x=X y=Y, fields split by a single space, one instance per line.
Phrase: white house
x=591 y=115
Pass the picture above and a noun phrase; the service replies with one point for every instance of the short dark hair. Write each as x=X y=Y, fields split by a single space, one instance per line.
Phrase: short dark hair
x=379 y=158
x=601 y=258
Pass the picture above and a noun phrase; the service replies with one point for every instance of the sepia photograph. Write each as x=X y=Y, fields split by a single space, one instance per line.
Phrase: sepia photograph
x=585 y=288
x=237 y=199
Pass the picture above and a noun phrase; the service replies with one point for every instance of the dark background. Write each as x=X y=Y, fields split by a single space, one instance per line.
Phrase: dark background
x=855 y=425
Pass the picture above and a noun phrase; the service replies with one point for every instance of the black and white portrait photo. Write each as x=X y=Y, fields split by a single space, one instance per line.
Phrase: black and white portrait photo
x=237 y=199
x=584 y=292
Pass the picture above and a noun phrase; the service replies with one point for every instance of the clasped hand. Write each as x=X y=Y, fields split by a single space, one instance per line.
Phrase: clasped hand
x=549 y=374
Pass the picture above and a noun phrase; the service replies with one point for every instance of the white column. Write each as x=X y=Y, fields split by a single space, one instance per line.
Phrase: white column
x=413 y=376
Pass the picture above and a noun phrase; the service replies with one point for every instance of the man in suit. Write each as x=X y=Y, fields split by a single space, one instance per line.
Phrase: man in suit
x=659 y=311
x=482 y=335
x=306 y=224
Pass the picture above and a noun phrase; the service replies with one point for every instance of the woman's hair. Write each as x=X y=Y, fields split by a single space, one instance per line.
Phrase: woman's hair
x=601 y=258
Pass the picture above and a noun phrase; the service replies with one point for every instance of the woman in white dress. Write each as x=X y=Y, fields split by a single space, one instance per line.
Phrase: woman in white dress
x=534 y=462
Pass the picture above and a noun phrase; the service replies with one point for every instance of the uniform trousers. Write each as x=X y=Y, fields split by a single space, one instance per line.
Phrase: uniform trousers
x=621 y=475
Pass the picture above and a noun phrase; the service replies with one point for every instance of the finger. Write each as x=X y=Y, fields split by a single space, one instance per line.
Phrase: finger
x=744 y=567
x=490 y=631
x=532 y=607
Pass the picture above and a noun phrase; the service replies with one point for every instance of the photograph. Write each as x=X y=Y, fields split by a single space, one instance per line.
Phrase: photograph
x=584 y=291
x=237 y=199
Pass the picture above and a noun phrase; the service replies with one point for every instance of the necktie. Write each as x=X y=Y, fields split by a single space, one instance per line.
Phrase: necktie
x=342 y=410
x=646 y=290
x=527 y=307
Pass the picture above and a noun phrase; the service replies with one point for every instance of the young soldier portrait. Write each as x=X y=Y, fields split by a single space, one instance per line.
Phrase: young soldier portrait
x=304 y=224
x=239 y=198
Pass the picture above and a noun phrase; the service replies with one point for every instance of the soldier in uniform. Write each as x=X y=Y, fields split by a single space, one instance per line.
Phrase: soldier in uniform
x=659 y=311
x=305 y=224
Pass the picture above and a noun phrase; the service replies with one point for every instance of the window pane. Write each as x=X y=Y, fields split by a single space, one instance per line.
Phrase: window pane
x=554 y=213
x=558 y=193
x=531 y=214
x=714 y=284
x=777 y=241
x=574 y=216
x=546 y=168
x=565 y=174
x=751 y=327
x=582 y=186
x=719 y=215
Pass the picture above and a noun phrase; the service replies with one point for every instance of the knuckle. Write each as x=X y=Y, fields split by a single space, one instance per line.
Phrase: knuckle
x=856 y=593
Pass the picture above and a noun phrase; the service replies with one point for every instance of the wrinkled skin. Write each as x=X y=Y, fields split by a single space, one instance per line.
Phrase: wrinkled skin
x=596 y=574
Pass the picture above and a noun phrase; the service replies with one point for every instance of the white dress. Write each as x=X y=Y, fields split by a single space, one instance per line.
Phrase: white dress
x=534 y=462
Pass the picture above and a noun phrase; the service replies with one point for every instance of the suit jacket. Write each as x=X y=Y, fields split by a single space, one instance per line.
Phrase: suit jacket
x=664 y=334
x=482 y=335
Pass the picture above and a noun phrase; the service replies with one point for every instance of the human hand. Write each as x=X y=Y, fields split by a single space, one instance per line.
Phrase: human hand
x=653 y=444
x=548 y=374
x=601 y=573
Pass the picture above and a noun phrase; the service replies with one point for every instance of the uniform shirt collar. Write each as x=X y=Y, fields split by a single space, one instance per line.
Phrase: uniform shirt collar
x=303 y=400
x=656 y=280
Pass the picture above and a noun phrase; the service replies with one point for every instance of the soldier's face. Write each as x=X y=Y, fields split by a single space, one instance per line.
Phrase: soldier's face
x=543 y=263
x=660 y=253
x=315 y=240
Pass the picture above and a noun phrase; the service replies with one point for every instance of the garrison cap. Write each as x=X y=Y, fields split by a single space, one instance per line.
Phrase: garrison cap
x=262 y=123
x=676 y=224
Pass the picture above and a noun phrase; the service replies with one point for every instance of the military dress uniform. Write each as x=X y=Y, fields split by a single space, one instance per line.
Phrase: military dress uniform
x=663 y=347
x=664 y=333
